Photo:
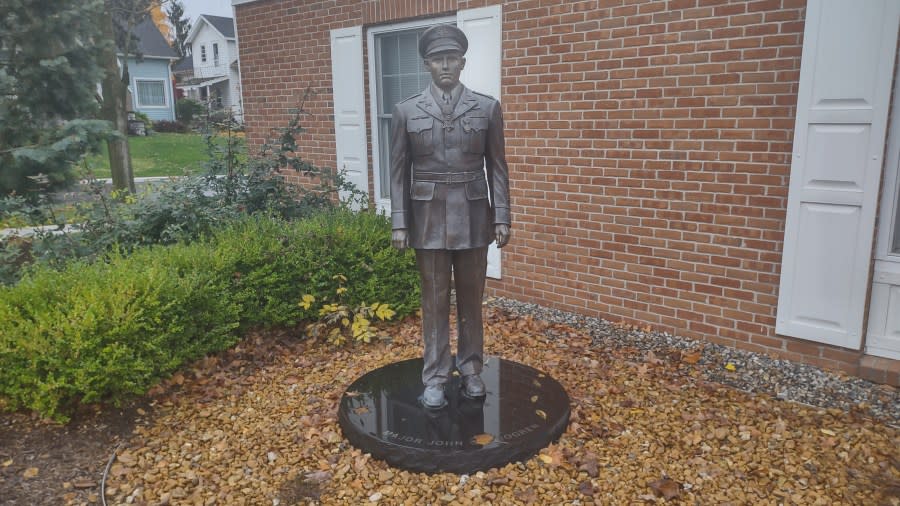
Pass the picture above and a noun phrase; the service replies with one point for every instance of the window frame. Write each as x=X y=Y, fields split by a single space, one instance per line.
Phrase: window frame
x=384 y=204
x=202 y=53
x=215 y=50
x=888 y=223
x=137 y=93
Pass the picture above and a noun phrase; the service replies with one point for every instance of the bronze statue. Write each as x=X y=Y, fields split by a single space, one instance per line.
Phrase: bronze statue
x=449 y=201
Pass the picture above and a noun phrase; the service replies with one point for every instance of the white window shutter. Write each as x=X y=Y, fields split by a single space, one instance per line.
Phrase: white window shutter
x=484 y=29
x=349 y=105
x=842 y=107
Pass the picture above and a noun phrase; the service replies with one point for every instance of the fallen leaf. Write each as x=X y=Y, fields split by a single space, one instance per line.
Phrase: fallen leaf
x=483 y=439
x=590 y=467
x=541 y=413
x=546 y=459
x=318 y=476
x=828 y=432
x=586 y=488
x=666 y=488
x=83 y=483
x=361 y=410
x=691 y=358
x=7 y=463
x=352 y=393
x=31 y=472
x=534 y=399
x=730 y=367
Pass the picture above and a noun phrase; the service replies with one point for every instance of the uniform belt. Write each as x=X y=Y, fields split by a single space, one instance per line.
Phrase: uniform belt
x=448 y=177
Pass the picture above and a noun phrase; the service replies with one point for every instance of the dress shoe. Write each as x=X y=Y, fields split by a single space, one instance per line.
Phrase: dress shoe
x=433 y=397
x=473 y=387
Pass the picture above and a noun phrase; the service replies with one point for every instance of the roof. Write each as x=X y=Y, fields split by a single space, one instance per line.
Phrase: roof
x=185 y=64
x=151 y=43
x=224 y=25
x=199 y=82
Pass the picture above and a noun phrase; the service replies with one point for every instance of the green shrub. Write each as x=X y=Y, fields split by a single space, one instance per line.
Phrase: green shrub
x=186 y=109
x=276 y=262
x=165 y=126
x=106 y=330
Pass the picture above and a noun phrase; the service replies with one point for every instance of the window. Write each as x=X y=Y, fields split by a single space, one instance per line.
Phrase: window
x=399 y=75
x=203 y=54
x=151 y=93
x=215 y=54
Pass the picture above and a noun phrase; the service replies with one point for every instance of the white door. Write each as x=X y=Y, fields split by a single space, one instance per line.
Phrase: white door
x=484 y=29
x=845 y=80
x=349 y=106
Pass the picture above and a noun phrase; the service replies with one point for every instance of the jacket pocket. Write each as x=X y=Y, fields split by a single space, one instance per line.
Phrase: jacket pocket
x=477 y=190
x=422 y=190
x=474 y=133
x=421 y=135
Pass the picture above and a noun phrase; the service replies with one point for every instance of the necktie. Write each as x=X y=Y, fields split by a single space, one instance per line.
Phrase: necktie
x=446 y=99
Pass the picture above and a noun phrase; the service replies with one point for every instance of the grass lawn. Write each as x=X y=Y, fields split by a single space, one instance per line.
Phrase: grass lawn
x=160 y=154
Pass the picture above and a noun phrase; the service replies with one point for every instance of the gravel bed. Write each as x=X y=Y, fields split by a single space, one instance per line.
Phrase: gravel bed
x=754 y=372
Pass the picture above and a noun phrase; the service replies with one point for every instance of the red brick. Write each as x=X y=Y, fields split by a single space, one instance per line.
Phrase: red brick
x=643 y=130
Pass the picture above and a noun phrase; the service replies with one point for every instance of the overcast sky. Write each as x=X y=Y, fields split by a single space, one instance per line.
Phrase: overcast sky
x=194 y=8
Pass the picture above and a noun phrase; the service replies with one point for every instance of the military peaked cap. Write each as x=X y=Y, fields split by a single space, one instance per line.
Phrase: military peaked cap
x=442 y=38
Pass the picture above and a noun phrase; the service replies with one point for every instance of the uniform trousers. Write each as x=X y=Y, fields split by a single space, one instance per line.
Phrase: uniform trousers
x=469 y=267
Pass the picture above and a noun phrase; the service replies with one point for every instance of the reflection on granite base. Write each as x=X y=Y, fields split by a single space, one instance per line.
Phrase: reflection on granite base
x=524 y=411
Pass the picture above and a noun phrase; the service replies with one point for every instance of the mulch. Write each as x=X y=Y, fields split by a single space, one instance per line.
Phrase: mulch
x=257 y=425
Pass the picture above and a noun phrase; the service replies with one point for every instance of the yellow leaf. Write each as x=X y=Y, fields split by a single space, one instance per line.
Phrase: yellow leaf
x=546 y=459
x=7 y=463
x=306 y=301
x=482 y=439
x=828 y=432
x=541 y=413
x=341 y=290
x=383 y=311
x=730 y=367
x=31 y=472
x=534 y=399
x=361 y=410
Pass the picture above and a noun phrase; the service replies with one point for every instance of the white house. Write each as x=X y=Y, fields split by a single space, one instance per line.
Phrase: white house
x=216 y=73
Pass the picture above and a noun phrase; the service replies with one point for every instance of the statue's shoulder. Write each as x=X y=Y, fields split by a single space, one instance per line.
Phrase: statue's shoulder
x=411 y=98
x=483 y=96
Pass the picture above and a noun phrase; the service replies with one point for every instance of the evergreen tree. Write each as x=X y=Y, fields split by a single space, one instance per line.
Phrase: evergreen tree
x=181 y=25
x=48 y=82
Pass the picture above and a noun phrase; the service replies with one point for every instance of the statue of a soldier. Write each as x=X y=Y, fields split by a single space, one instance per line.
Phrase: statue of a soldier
x=449 y=201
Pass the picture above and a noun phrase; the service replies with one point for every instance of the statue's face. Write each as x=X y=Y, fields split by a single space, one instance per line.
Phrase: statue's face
x=445 y=68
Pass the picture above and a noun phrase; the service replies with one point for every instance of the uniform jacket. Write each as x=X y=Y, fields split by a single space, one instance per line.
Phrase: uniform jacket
x=439 y=192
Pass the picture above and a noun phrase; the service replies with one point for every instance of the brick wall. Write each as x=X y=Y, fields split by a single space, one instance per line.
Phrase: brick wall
x=648 y=141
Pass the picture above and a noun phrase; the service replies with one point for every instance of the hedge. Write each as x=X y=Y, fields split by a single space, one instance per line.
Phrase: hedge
x=107 y=330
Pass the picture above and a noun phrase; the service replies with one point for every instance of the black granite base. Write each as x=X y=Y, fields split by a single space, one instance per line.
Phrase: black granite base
x=524 y=411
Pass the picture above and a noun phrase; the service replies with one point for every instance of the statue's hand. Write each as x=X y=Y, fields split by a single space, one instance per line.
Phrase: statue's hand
x=501 y=233
x=400 y=238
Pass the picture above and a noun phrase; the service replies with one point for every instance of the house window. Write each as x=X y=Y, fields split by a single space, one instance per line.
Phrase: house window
x=215 y=54
x=151 y=93
x=203 y=53
x=399 y=75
